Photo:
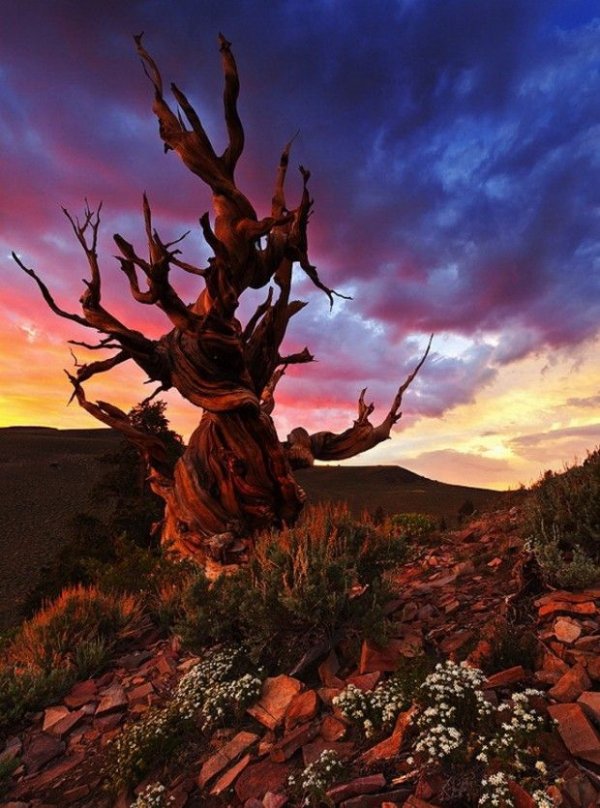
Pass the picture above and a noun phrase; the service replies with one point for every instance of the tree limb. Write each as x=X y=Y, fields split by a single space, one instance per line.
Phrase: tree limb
x=303 y=449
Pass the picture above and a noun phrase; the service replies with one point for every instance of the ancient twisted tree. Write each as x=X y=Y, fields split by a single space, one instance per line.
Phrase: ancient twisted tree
x=235 y=476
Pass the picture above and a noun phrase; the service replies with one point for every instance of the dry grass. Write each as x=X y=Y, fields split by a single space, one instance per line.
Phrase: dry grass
x=81 y=617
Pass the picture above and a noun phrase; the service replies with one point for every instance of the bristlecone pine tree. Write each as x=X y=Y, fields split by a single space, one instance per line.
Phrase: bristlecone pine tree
x=235 y=476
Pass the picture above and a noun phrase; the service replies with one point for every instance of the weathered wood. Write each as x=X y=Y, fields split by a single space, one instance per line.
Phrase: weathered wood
x=235 y=476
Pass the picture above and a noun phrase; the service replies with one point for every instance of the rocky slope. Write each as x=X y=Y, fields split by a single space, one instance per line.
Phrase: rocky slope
x=471 y=596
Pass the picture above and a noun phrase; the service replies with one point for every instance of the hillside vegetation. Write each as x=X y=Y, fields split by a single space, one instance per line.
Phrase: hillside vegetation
x=372 y=661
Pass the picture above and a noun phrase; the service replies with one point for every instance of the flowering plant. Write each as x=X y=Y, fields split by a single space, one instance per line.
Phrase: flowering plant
x=460 y=730
x=153 y=796
x=372 y=710
x=311 y=785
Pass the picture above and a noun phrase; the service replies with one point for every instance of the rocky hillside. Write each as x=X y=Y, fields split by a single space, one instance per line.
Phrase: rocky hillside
x=472 y=595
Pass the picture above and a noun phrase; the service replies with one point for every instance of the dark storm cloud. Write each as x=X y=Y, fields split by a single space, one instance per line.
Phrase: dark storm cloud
x=452 y=145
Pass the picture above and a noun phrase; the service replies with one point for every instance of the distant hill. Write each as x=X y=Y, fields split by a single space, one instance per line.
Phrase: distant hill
x=47 y=476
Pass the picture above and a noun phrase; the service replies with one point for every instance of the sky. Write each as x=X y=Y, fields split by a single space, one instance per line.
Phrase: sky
x=454 y=155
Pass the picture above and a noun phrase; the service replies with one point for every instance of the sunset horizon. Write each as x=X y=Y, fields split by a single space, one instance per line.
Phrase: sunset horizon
x=453 y=167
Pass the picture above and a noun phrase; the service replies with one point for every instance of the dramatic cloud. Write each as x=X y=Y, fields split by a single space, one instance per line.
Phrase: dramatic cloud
x=567 y=442
x=453 y=150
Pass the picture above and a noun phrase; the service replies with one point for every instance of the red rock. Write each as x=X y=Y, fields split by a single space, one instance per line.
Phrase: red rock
x=593 y=667
x=452 y=642
x=261 y=777
x=39 y=783
x=303 y=707
x=107 y=722
x=365 y=681
x=416 y=802
x=327 y=694
x=312 y=751
x=140 y=693
x=399 y=795
x=41 y=750
x=521 y=798
x=376 y=658
x=226 y=780
x=81 y=693
x=569 y=597
x=552 y=669
x=53 y=715
x=277 y=693
x=579 y=736
x=66 y=724
x=271 y=800
x=332 y=729
x=253 y=803
x=111 y=700
x=566 y=630
x=554 y=606
x=77 y=793
x=361 y=785
x=389 y=747
x=225 y=755
x=590 y=701
x=505 y=677
x=328 y=670
x=571 y=685
x=292 y=741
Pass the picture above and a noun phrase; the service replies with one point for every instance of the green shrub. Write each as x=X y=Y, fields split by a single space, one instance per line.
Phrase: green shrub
x=7 y=767
x=303 y=585
x=413 y=525
x=564 y=519
x=567 y=569
x=27 y=690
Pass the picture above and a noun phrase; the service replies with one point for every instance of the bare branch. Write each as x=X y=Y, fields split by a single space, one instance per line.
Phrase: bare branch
x=48 y=297
x=151 y=447
x=235 y=129
x=104 y=343
x=303 y=449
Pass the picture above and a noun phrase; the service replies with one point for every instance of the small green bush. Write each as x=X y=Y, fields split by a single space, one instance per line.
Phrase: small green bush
x=303 y=585
x=564 y=519
x=413 y=525
x=28 y=690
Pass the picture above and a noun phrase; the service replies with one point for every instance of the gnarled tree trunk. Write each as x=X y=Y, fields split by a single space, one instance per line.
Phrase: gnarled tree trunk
x=235 y=476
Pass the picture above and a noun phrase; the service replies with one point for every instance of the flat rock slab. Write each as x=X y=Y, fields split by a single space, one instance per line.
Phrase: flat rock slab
x=505 y=677
x=398 y=796
x=277 y=694
x=567 y=630
x=571 y=685
x=303 y=707
x=590 y=701
x=554 y=606
x=226 y=754
x=578 y=734
x=226 y=780
x=42 y=750
x=113 y=699
x=362 y=785
x=375 y=658
x=256 y=780
x=292 y=741
x=81 y=693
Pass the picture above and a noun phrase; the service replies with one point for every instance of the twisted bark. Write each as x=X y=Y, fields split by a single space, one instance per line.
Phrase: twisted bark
x=235 y=476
